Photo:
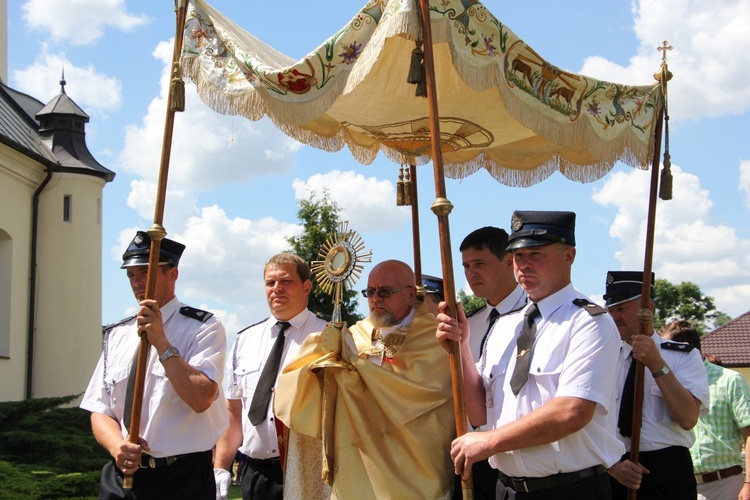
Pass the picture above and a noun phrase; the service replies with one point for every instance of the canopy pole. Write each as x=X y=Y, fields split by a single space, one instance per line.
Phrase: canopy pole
x=415 y=230
x=645 y=318
x=442 y=209
x=156 y=232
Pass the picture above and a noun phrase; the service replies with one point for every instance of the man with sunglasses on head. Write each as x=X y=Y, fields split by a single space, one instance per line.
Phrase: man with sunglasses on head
x=392 y=422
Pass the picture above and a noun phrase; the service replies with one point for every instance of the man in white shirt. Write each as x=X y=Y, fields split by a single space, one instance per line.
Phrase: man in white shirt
x=182 y=415
x=252 y=424
x=675 y=392
x=544 y=387
x=488 y=267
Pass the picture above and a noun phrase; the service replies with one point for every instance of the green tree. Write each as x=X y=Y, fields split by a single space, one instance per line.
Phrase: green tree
x=470 y=303
x=320 y=218
x=686 y=301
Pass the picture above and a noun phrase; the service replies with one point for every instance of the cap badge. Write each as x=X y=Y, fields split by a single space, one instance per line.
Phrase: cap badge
x=516 y=223
x=138 y=239
x=610 y=278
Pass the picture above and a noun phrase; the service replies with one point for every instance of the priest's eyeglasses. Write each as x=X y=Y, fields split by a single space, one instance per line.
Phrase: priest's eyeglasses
x=383 y=293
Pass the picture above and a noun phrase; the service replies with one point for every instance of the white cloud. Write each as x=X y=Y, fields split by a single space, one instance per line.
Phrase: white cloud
x=710 y=59
x=179 y=205
x=224 y=259
x=222 y=266
x=92 y=91
x=745 y=181
x=79 y=22
x=689 y=245
x=732 y=300
x=208 y=149
x=368 y=203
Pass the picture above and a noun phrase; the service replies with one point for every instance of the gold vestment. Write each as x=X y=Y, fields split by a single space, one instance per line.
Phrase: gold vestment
x=389 y=428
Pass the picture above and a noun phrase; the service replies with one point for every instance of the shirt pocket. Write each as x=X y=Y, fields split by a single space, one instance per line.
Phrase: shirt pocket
x=544 y=373
x=247 y=376
x=658 y=410
x=163 y=391
x=116 y=382
x=493 y=383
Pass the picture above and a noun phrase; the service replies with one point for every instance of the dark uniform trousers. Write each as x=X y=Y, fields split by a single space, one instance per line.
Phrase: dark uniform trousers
x=262 y=479
x=671 y=476
x=484 y=482
x=189 y=477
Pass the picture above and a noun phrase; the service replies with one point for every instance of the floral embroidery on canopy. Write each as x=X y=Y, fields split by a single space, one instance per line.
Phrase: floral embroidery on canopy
x=502 y=106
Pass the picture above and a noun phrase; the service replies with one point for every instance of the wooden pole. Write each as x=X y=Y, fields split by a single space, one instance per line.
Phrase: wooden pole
x=645 y=327
x=156 y=232
x=442 y=209
x=415 y=228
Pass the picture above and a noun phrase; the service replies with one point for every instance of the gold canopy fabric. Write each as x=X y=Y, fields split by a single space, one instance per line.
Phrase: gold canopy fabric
x=501 y=106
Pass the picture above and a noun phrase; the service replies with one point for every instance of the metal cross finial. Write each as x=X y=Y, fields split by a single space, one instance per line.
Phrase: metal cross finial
x=664 y=48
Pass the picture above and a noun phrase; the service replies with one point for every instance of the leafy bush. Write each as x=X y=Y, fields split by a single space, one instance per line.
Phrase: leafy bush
x=47 y=451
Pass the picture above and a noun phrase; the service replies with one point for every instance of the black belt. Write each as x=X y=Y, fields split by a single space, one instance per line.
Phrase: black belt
x=255 y=463
x=529 y=484
x=149 y=462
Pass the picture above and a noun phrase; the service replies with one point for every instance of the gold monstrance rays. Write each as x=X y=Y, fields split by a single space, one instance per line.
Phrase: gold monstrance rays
x=343 y=254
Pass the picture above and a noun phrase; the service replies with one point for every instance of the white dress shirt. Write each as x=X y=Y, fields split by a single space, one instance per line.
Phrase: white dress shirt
x=249 y=356
x=573 y=355
x=658 y=428
x=168 y=424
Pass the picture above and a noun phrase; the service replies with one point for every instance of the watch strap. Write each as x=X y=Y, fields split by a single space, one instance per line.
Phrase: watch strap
x=664 y=370
x=168 y=353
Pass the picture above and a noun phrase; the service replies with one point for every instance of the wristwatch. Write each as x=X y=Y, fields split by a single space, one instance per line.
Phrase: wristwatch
x=663 y=371
x=168 y=353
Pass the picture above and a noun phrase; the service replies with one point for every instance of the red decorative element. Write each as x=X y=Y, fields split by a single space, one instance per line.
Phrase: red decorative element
x=297 y=82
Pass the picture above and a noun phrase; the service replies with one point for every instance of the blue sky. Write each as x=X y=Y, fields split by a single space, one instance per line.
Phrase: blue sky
x=234 y=185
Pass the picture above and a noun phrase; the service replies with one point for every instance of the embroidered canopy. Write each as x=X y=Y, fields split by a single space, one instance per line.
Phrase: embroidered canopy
x=502 y=107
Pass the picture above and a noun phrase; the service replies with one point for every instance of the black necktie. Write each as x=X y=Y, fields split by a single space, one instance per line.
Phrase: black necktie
x=130 y=388
x=524 y=344
x=492 y=319
x=262 y=396
x=625 y=418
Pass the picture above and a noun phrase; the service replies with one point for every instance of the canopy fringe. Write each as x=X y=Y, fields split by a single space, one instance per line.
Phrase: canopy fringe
x=307 y=122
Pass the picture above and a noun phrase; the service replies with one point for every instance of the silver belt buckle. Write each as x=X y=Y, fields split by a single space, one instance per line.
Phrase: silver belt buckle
x=152 y=462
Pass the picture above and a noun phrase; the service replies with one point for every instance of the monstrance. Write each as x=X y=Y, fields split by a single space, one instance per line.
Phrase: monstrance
x=343 y=254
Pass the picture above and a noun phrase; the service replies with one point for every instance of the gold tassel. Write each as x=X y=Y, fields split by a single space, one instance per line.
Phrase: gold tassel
x=400 y=197
x=665 y=184
x=407 y=189
x=416 y=68
x=177 y=90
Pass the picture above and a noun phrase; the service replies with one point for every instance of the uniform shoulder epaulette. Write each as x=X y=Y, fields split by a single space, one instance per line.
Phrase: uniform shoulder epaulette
x=677 y=346
x=117 y=323
x=192 y=312
x=254 y=324
x=589 y=307
x=477 y=311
